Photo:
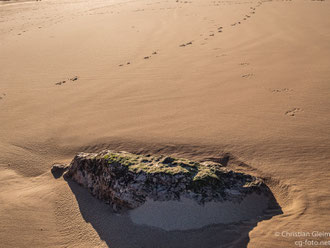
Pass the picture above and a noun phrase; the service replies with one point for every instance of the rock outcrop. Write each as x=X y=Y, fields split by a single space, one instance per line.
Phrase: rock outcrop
x=126 y=181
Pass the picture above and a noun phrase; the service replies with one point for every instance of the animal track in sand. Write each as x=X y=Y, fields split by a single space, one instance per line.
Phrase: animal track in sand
x=282 y=90
x=222 y=55
x=247 y=75
x=148 y=57
x=220 y=28
x=60 y=83
x=244 y=64
x=293 y=112
x=127 y=63
x=74 y=78
x=186 y=44
x=2 y=96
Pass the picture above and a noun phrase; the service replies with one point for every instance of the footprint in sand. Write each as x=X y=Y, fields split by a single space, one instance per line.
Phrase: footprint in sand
x=127 y=63
x=244 y=64
x=60 y=83
x=247 y=75
x=2 y=96
x=293 y=112
x=222 y=55
x=148 y=57
x=187 y=44
x=75 y=78
x=282 y=90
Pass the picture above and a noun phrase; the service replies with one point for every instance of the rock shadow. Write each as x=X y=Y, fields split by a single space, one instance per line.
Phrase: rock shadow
x=117 y=230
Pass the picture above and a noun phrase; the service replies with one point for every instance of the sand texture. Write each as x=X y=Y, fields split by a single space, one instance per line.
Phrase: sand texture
x=244 y=82
x=187 y=214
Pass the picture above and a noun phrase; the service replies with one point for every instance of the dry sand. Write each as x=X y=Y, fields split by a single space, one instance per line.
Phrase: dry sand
x=259 y=90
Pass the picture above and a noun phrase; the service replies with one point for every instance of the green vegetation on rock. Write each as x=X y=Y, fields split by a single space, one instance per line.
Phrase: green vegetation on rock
x=167 y=165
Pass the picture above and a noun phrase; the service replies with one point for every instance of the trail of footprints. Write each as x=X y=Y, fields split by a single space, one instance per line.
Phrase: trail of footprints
x=145 y=58
x=220 y=29
x=247 y=75
x=291 y=112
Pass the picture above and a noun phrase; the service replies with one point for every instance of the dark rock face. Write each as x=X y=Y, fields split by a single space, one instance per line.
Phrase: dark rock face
x=126 y=180
x=58 y=169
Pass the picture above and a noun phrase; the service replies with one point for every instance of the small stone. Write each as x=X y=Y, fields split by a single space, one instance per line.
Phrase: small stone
x=58 y=169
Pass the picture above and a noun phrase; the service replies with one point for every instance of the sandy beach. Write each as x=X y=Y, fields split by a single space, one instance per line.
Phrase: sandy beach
x=200 y=79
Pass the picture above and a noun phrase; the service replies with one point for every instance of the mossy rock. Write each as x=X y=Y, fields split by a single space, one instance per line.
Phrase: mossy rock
x=167 y=165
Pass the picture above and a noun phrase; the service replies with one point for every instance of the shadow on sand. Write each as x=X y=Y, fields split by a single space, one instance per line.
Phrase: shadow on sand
x=119 y=231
